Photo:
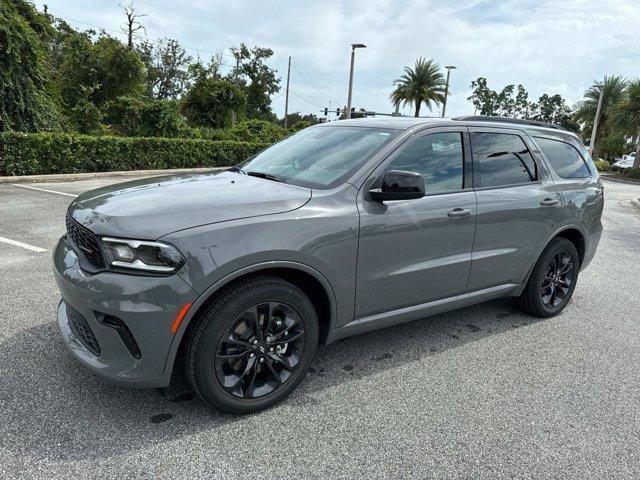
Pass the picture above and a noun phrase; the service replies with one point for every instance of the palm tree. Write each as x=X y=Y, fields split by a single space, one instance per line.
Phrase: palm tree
x=628 y=114
x=422 y=83
x=585 y=110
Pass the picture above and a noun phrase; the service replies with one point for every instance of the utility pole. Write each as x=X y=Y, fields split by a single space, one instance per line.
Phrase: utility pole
x=286 y=98
x=594 y=130
x=353 y=54
x=446 y=88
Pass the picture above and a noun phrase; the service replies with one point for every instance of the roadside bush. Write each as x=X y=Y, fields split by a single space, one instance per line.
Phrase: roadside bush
x=137 y=117
x=257 y=131
x=43 y=153
x=632 y=172
x=602 y=165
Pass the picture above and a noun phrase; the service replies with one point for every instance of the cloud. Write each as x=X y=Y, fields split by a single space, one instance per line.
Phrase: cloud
x=548 y=46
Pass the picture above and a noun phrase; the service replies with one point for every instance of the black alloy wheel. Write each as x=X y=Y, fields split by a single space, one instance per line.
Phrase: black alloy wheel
x=260 y=350
x=253 y=345
x=558 y=278
x=552 y=280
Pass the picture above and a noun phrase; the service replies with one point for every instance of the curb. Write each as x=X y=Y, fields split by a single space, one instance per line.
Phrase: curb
x=619 y=180
x=73 y=177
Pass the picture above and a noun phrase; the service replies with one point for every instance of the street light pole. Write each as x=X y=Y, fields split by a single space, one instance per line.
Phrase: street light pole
x=446 y=88
x=353 y=55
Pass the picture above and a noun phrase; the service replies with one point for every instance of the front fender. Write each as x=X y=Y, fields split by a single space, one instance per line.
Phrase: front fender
x=240 y=272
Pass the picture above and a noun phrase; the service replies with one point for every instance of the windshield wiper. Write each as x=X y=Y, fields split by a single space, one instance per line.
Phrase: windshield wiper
x=237 y=169
x=267 y=176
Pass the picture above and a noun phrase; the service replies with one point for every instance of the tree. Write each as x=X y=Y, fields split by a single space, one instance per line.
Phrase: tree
x=585 y=110
x=492 y=103
x=167 y=68
x=554 y=109
x=27 y=99
x=95 y=73
x=256 y=78
x=296 y=117
x=627 y=115
x=133 y=25
x=424 y=83
x=211 y=102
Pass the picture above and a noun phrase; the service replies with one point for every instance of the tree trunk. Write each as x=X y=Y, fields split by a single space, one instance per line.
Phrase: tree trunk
x=636 y=162
x=417 y=109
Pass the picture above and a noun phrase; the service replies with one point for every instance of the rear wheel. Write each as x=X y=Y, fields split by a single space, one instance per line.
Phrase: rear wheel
x=253 y=346
x=552 y=280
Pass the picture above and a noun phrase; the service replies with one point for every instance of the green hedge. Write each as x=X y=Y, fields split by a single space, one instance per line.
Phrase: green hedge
x=632 y=172
x=43 y=153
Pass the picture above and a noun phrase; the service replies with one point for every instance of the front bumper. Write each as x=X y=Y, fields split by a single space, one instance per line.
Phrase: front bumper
x=146 y=305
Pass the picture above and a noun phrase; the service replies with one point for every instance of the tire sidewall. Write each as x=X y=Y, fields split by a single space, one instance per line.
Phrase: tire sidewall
x=225 y=312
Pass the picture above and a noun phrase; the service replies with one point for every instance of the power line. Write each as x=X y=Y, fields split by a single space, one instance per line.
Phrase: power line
x=324 y=94
x=305 y=100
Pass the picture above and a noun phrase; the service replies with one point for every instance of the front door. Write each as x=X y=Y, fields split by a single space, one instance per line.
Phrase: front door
x=415 y=251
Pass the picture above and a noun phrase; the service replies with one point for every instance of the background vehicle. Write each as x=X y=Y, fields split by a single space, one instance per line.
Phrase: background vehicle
x=337 y=230
x=626 y=161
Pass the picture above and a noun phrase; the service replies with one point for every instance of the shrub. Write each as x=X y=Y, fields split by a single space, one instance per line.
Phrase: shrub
x=212 y=102
x=602 y=165
x=632 y=172
x=257 y=131
x=43 y=153
x=136 y=117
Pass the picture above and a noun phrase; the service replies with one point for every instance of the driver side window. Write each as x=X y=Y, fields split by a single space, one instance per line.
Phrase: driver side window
x=437 y=157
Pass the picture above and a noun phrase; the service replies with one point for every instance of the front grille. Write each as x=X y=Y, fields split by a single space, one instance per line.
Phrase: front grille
x=86 y=241
x=82 y=330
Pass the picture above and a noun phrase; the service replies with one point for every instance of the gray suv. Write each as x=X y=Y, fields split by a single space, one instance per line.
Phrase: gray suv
x=342 y=228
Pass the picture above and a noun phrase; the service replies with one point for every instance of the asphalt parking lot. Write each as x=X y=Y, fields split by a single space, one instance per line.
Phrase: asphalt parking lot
x=481 y=392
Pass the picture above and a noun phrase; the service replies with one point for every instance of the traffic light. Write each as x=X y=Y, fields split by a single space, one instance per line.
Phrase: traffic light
x=337 y=112
x=353 y=109
x=326 y=111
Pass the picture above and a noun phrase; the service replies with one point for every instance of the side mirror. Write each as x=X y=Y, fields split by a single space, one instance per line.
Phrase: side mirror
x=398 y=185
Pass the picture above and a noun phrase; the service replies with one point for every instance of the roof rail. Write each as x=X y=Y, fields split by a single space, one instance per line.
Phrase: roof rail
x=517 y=121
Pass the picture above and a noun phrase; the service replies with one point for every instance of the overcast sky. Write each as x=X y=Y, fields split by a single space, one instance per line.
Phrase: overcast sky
x=557 y=46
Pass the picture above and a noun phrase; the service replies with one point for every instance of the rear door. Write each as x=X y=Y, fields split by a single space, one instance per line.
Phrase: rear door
x=415 y=251
x=519 y=206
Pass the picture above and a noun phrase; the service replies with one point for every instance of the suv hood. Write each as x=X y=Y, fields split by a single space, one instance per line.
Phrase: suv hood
x=152 y=207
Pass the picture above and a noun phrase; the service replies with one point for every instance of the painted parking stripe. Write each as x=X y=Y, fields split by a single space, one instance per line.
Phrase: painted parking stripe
x=44 y=190
x=22 y=245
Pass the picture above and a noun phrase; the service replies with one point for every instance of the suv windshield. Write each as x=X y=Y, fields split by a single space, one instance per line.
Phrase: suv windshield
x=319 y=157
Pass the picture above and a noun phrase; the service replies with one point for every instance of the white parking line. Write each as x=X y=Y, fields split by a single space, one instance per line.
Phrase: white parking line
x=44 y=190
x=22 y=245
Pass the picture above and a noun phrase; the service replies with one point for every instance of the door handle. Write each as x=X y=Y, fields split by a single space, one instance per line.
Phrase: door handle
x=549 y=202
x=459 y=213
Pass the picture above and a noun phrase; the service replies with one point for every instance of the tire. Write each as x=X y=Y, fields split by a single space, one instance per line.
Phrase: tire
x=541 y=281
x=253 y=345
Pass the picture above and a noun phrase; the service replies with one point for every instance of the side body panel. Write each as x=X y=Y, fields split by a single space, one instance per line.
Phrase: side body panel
x=411 y=251
x=513 y=224
x=583 y=198
x=322 y=235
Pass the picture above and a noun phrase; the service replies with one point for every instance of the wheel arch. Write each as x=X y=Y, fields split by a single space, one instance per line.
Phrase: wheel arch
x=308 y=279
x=574 y=234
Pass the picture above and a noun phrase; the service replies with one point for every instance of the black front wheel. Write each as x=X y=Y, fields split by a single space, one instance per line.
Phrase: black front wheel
x=552 y=280
x=253 y=345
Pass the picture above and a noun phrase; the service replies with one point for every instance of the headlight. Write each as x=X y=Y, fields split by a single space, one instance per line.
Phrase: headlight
x=142 y=255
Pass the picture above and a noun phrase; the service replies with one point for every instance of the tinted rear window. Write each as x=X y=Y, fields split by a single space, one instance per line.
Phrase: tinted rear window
x=503 y=159
x=564 y=158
